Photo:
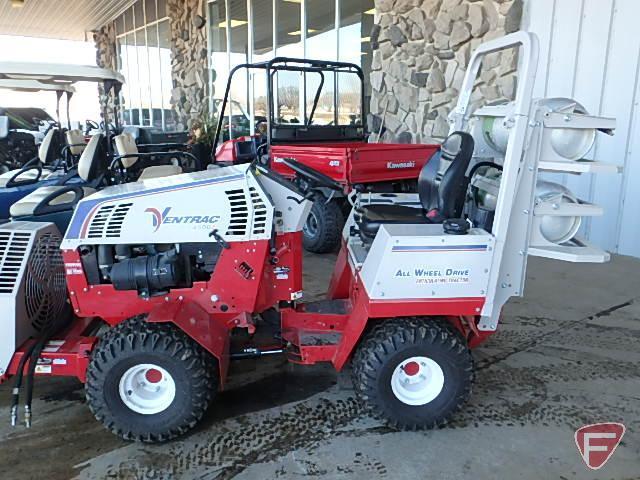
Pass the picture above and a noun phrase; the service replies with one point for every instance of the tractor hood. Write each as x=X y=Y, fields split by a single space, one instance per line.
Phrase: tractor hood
x=177 y=209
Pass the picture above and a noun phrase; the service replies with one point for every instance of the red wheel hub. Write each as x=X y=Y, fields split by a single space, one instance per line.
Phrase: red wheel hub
x=411 y=368
x=153 y=376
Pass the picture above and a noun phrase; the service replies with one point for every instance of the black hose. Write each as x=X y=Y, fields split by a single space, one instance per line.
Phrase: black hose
x=478 y=165
x=17 y=384
x=47 y=334
x=33 y=361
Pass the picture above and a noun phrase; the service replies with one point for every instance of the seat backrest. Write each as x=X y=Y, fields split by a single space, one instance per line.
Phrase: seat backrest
x=93 y=159
x=126 y=145
x=76 y=141
x=47 y=150
x=446 y=198
x=246 y=150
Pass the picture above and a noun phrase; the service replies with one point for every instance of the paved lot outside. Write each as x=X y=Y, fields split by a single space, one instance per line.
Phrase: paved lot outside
x=566 y=355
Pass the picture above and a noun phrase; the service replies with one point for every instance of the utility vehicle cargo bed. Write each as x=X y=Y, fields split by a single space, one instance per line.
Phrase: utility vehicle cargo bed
x=357 y=162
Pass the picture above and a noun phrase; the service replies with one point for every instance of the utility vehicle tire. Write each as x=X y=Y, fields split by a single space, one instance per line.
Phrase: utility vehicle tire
x=149 y=382
x=413 y=373
x=323 y=229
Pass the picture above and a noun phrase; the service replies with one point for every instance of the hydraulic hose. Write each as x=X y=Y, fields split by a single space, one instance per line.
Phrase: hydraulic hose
x=17 y=384
x=33 y=356
x=33 y=361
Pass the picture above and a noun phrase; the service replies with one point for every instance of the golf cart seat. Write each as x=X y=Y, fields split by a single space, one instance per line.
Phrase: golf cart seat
x=28 y=204
x=440 y=201
x=75 y=141
x=47 y=153
x=127 y=148
x=53 y=199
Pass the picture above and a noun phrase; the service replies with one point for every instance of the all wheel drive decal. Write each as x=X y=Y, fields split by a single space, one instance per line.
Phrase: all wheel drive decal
x=85 y=210
x=439 y=248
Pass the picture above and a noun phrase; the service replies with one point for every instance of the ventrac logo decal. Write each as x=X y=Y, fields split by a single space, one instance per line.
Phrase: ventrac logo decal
x=161 y=218
x=394 y=165
x=157 y=217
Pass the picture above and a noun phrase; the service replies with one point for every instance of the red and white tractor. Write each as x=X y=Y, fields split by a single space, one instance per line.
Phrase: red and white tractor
x=162 y=274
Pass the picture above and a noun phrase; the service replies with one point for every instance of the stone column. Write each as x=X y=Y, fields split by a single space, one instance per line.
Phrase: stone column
x=106 y=57
x=421 y=49
x=188 y=60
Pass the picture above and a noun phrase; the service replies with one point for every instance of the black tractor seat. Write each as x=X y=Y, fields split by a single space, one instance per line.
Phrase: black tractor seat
x=440 y=201
x=371 y=217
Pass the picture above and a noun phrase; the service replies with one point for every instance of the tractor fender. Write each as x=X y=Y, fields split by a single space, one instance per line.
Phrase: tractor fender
x=196 y=323
x=354 y=328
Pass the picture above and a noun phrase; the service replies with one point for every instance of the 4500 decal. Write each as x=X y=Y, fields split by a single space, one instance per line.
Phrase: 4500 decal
x=160 y=218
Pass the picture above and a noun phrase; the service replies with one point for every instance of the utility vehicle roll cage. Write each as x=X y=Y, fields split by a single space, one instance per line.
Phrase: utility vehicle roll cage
x=304 y=132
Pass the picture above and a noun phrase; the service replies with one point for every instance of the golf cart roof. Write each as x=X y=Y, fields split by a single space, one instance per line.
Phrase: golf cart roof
x=35 y=86
x=57 y=72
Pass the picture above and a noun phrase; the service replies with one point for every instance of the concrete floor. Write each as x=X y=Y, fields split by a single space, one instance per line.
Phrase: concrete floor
x=567 y=354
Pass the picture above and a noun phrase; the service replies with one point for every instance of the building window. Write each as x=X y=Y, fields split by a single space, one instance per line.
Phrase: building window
x=356 y=21
x=144 y=58
x=254 y=31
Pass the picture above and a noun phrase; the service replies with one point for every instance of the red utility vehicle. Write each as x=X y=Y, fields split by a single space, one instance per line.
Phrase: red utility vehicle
x=330 y=138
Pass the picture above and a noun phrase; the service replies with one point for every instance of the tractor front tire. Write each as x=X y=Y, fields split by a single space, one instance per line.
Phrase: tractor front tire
x=413 y=373
x=323 y=229
x=149 y=382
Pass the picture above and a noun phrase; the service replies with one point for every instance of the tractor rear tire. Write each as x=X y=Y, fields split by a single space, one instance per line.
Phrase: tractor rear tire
x=413 y=373
x=323 y=229
x=149 y=382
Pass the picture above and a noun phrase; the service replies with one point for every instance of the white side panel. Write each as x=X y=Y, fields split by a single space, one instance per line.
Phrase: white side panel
x=590 y=50
x=291 y=209
x=421 y=261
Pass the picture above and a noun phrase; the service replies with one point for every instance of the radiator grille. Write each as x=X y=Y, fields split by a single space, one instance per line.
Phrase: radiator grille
x=107 y=223
x=259 y=212
x=13 y=252
x=239 y=218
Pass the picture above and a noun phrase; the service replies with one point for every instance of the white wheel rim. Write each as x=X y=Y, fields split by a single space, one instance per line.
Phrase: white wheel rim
x=417 y=380
x=147 y=389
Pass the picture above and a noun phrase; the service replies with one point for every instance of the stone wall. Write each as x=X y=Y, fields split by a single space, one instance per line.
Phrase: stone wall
x=421 y=49
x=188 y=60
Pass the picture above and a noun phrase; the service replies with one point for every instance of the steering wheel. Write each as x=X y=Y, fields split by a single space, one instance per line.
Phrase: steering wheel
x=91 y=125
x=312 y=176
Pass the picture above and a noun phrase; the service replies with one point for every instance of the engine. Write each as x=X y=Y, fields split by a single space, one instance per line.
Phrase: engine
x=152 y=269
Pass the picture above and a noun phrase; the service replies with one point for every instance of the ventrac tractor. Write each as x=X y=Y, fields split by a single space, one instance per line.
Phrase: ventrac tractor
x=329 y=137
x=145 y=296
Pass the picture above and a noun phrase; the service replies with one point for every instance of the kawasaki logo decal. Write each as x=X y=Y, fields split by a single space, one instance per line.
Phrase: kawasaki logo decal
x=392 y=165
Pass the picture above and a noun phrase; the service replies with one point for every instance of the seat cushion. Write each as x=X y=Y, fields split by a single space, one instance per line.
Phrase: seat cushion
x=157 y=171
x=370 y=217
x=26 y=205
x=28 y=175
